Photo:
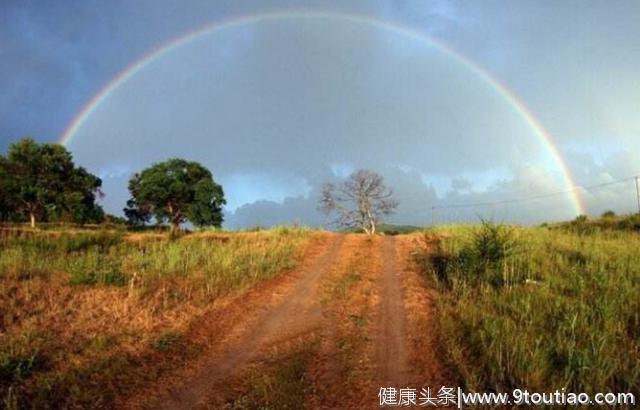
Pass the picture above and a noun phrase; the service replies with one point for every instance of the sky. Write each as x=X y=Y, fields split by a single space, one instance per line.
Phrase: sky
x=278 y=97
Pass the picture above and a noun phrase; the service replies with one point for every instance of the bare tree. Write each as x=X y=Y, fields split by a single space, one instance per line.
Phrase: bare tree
x=360 y=201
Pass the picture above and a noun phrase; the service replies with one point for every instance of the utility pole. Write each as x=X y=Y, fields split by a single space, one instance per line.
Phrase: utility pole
x=432 y=214
x=638 y=192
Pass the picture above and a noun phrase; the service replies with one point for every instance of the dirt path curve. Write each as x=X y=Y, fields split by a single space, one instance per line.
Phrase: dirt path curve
x=392 y=366
x=297 y=312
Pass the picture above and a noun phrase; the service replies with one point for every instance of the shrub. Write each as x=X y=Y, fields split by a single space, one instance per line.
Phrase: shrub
x=581 y=219
x=435 y=258
x=480 y=258
x=493 y=243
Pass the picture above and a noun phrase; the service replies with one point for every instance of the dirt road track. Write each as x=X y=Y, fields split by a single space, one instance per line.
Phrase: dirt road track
x=391 y=307
x=391 y=348
x=297 y=311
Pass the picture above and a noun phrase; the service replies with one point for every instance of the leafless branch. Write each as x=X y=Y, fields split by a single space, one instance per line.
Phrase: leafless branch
x=360 y=201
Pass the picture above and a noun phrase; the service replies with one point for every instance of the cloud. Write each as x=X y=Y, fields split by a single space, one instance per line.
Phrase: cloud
x=262 y=213
x=275 y=109
x=298 y=95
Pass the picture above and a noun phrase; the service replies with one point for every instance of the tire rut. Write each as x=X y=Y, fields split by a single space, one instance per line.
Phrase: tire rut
x=298 y=312
x=391 y=349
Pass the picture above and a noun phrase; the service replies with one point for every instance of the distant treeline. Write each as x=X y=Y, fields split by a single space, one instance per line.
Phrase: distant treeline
x=41 y=183
x=609 y=221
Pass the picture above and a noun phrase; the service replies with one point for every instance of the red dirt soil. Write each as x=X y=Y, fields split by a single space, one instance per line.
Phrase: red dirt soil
x=397 y=347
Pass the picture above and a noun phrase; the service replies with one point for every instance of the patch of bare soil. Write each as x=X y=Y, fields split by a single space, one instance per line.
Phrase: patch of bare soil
x=392 y=356
x=237 y=333
x=424 y=349
x=342 y=370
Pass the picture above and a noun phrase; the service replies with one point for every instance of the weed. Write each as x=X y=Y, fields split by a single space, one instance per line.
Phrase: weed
x=358 y=320
x=13 y=368
x=341 y=288
x=165 y=341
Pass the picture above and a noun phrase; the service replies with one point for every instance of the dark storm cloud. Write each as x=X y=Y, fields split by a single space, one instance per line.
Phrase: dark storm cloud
x=300 y=100
x=54 y=56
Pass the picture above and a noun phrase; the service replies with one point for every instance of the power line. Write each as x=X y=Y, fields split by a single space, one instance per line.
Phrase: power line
x=638 y=191
x=589 y=188
x=536 y=197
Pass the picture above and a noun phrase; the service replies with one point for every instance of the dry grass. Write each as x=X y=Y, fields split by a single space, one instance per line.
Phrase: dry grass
x=84 y=314
x=539 y=309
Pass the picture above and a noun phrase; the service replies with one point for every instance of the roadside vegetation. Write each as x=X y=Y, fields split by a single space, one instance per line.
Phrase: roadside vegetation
x=281 y=382
x=87 y=316
x=539 y=308
x=607 y=223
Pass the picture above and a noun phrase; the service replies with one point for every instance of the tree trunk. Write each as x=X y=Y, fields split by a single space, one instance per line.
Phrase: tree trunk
x=371 y=223
x=32 y=218
x=175 y=219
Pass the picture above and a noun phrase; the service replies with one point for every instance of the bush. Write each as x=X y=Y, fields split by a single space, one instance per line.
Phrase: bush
x=481 y=258
x=493 y=243
x=433 y=257
x=581 y=219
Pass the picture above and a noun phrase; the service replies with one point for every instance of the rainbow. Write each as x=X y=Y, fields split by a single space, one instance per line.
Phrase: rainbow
x=515 y=103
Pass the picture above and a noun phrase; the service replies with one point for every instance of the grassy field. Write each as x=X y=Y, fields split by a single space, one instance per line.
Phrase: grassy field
x=83 y=312
x=87 y=316
x=539 y=308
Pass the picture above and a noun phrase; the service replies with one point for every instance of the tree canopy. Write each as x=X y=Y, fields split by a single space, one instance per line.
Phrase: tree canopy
x=175 y=191
x=41 y=182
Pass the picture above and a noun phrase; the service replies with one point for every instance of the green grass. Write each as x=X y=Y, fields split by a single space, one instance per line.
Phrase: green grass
x=389 y=229
x=342 y=287
x=165 y=341
x=539 y=308
x=214 y=264
x=81 y=310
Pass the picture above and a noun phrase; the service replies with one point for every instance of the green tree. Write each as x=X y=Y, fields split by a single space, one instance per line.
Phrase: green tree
x=5 y=206
x=608 y=214
x=175 y=191
x=79 y=198
x=43 y=182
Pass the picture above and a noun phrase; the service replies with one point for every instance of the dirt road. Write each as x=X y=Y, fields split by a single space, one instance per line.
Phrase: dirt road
x=350 y=300
x=391 y=342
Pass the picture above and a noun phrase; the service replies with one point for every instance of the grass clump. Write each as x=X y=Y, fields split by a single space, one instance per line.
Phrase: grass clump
x=342 y=287
x=165 y=341
x=285 y=384
x=544 y=310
